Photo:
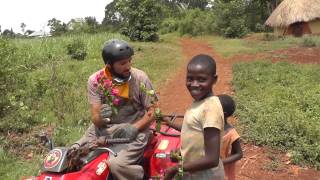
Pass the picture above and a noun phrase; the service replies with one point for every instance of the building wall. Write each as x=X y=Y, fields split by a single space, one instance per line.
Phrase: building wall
x=315 y=26
x=279 y=31
x=312 y=27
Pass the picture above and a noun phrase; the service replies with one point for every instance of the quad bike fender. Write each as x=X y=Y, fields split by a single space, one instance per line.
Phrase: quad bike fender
x=97 y=169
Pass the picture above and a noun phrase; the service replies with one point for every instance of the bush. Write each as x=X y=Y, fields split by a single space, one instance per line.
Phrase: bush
x=308 y=42
x=279 y=105
x=268 y=37
x=77 y=49
x=230 y=18
x=196 y=22
x=169 y=25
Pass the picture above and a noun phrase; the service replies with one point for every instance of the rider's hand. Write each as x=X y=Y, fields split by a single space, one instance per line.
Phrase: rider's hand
x=105 y=113
x=126 y=131
x=73 y=148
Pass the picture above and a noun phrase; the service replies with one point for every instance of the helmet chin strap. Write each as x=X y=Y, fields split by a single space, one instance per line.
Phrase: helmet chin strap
x=118 y=78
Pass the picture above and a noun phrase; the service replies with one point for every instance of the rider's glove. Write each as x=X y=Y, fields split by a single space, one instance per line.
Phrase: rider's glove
x=75 y=146
x=126 y=131
x=105 y=113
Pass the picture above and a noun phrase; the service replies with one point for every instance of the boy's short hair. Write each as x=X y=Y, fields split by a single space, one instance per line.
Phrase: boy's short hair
x=205 y=60
x=228 y=104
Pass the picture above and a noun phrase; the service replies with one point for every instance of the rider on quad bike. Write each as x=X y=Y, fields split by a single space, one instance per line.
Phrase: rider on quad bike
x=135 y=112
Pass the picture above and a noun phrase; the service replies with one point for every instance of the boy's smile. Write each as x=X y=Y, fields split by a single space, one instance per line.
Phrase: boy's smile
x=199 y=81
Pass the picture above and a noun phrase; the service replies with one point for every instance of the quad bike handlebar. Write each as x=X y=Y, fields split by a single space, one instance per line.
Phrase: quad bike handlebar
x=172 y=117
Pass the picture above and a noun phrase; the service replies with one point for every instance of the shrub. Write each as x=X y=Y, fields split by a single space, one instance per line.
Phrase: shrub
x=196 y=22
x=268 y=37
x=308 y=42
x=169 y=25
x=77 y=49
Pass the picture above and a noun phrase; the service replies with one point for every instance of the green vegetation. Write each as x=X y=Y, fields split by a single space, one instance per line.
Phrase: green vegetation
x=196 y=22
x=230 y=47
x=141 y=19
x=41 y=86
x=14 y=168
x=231 y=18
x=77 y=49
x=309 y=42
x=279 y=105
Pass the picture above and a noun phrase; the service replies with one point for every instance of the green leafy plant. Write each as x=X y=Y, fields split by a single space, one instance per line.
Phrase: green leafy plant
x=154 y=99
x=308 y=42
x=176 y=156
x=77 y=49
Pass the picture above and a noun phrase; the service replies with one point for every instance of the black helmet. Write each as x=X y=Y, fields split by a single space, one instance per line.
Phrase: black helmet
x=115 y=50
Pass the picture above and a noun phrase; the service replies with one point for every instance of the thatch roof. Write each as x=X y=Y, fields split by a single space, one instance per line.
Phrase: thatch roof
x=291 y=11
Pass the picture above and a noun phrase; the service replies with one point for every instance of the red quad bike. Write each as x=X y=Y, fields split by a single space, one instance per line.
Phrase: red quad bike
x=94 y=167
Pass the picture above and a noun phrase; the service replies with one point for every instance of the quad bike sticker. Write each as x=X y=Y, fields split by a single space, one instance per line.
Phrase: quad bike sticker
x=53 y=158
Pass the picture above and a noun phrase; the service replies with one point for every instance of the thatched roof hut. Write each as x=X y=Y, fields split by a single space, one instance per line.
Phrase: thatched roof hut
x=296 y=17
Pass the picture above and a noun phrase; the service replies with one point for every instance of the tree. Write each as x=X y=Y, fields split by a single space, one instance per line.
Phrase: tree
x=92 y=24
x=141 y=18
x=76 y=25
x=56 y=27
x=23 y=26
x=8 y=33
x=230 y=17
x=112 y=15
x=28 y=32
x=193 y=4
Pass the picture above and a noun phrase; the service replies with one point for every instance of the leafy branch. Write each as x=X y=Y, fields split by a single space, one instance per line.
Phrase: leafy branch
x=154 y=99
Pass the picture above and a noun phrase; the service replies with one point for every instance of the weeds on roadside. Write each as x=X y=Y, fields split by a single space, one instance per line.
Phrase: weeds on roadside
x=279 y=105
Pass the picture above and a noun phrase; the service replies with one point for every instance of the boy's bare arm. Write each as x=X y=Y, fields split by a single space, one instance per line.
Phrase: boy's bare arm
x=236 y=153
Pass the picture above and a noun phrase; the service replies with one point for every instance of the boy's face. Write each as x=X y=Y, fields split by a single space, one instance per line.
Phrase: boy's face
x=199 y=81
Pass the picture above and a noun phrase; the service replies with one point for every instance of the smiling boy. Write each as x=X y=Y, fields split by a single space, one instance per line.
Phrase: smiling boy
x=203 y=124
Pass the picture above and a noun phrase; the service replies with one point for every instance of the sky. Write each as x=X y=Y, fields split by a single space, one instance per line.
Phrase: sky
x=36 y=13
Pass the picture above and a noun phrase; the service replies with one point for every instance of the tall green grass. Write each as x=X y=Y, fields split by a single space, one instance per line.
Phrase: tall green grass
x=279 y=105
x=51 y=91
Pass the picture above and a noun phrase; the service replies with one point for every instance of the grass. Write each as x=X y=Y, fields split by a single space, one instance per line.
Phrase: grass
x=231 y=47
x=279 y=105
x=52 y=92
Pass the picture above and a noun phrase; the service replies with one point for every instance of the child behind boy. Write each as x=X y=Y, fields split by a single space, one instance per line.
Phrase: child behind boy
x=203 y=124
x=230 y=151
